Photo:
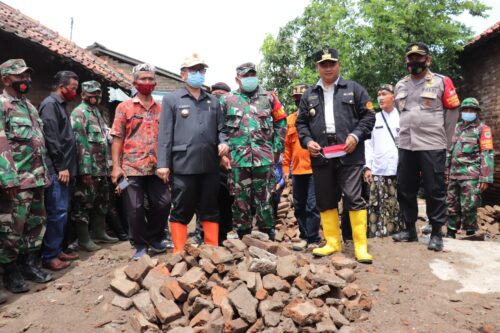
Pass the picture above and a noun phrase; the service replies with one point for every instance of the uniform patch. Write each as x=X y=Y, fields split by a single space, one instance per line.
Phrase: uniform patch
x=450 y=99
x=369 y=105
x=486 y=141
x=278 y=110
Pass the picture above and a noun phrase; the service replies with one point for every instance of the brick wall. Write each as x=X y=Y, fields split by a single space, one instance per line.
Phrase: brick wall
x=481 y=79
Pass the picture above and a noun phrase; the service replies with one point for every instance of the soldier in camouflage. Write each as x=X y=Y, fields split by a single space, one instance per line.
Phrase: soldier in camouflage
x=470 y=168
x=23 y=177
x=91 y=196
x=256 y=126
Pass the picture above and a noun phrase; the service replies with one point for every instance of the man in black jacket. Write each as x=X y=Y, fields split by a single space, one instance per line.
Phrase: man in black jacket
x=190 y=142
x=61 y=161
x=335 y=117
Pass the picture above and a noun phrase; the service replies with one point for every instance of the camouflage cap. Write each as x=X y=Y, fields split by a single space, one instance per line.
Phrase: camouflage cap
x=470 y=102
x=91 y=86
x=418 y=48
x=299 y=89
x=245 y=68
x=14 y=67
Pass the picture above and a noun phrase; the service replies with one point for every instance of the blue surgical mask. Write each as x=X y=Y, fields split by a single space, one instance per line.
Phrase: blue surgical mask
x=195 y=79
x=468 y=116
x=249 y=84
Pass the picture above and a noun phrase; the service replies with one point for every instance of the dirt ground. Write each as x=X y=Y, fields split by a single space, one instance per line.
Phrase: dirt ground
x=408 y=297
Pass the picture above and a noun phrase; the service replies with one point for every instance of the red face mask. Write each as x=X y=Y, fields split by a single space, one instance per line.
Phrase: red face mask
x=69 y=95
x=145 y=88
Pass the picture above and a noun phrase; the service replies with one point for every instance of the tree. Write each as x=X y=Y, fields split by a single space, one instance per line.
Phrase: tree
x=370 y=35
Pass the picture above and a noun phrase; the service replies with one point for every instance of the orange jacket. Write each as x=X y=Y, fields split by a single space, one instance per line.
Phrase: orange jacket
x=294 y=154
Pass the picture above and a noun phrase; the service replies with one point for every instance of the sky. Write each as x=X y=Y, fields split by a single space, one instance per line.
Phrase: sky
x=225 y=33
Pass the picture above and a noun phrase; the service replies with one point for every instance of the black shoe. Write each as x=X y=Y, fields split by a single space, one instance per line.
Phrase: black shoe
x=450 y=233
x=436 y=243
x=427 y=229
x=13 y=280
x=243 y=232
x=31 y=271
x=270 y=232
x=406 y=236
x=122 y=237
x=470 y=232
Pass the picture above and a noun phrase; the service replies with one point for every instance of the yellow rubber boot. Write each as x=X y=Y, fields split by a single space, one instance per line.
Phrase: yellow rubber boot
x=211 y=232
x=359 y=224
x=331 y=232
x=179 y=236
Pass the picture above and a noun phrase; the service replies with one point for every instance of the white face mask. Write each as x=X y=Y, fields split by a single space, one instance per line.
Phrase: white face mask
x=380 y=99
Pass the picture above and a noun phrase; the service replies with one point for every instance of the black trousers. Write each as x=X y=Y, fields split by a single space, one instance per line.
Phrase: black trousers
x=428 y=166
x=334 y=178
x=146 y=223
x=195 y=193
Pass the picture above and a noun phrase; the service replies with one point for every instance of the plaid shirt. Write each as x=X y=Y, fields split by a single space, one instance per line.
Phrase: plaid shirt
x=138 y=127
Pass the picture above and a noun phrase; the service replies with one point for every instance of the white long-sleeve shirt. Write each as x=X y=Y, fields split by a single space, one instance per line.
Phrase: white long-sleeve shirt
x=381 y=153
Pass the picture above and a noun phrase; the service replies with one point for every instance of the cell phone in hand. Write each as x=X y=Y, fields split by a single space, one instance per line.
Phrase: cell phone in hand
x=122 y=183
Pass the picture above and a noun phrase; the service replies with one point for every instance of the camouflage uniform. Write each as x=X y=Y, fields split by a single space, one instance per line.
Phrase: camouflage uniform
x=8 y=179
x=469 y=162
x=93 y=155
x=23 y=231
x=256 y=126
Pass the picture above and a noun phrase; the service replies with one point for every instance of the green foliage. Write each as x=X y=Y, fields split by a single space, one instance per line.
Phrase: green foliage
x=371 y=36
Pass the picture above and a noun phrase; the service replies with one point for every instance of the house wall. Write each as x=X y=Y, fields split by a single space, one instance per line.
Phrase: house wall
x=481 y=79
x=45 y=65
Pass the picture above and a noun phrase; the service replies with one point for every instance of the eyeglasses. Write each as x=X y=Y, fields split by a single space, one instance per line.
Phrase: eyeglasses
x=202 y=70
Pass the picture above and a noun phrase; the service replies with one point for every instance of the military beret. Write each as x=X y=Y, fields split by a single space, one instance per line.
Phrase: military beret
x=326 y=54
x=245 y=68
x=91 y=86
x=220 y=86
x=418 y=48
x=14 y=67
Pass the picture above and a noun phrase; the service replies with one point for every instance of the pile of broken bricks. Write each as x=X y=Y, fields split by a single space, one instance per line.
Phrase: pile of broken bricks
x=287 y=228
x=488 y=220
x=248 y=285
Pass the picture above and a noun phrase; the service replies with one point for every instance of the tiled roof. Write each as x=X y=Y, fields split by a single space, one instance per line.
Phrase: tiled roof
x=15 y=22
x=485 y=35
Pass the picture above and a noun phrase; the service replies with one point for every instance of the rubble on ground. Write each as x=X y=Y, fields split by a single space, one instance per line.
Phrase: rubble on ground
x=248 y=285
x=287 y=228
x=488 y=221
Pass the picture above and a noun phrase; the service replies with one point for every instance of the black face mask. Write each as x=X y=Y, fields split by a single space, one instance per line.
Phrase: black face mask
x=297 y=102
x=21 y=86
x=416 y=67
x=94 y=100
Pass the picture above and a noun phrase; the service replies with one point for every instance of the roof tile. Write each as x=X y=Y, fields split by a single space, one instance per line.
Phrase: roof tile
x=13 y=21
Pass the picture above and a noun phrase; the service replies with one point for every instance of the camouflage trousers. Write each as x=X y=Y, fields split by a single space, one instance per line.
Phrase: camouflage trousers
x=90 y=200
x=463 y=200
x=252 y=190
x=384 y=216
x=22 y=224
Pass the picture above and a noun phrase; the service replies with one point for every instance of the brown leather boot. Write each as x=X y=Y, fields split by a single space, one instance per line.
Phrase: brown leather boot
x=68 y=256
x=56 y=264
